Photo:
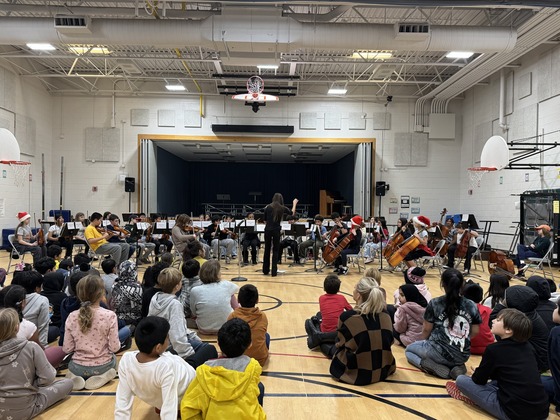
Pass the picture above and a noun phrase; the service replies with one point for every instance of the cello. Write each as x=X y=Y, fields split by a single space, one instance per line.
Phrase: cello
x=402 y=250
x=463 y=245
x=334 y=249
x=395 y=241
x=441 y=233
x=499 y=263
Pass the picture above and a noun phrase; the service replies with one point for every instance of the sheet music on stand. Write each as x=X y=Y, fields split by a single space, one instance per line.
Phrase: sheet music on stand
x=69 y=229
x=162 y=227
x=139 y=229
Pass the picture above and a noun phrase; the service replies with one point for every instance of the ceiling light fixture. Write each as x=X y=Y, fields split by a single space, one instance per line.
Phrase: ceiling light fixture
x=175 y=87
x=40 y=46
x=84 y=49
x=267 y=67
x=460 y=54
x=372 y=55
x=337 y=89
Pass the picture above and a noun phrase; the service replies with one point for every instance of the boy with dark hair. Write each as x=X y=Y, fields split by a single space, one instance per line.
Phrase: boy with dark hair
x=154 y=375
x=248 y=297
x=44 y=265
x=289 y=242
x=165 y=304
x=322 y=327
x=99 y=242
x=150 y=285
x=190 y=279
x=36 y=306
x=484 y=337
x=243 y=395
x=511 y=365
x=109 y=267
x=55 y=252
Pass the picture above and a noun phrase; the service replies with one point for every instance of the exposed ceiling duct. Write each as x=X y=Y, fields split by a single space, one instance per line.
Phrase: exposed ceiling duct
x=259 y=33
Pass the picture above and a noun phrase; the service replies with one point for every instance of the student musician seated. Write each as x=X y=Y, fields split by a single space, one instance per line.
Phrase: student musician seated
x=158 y=239
x=353 y=247
x=289 y=242
x=537 y=249
x=318 y=233
x=250 y=239
x=98 y=241
x=472 y=246
x=53 y=236
x=218 y=237
x=421 y=224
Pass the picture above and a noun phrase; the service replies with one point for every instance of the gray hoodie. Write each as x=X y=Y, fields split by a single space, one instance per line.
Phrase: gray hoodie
x=167 y=306
x=23 y=369
x=37 y=311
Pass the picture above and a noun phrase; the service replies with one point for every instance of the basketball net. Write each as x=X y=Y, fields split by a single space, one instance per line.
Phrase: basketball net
x=21 y=170
x=476 y=174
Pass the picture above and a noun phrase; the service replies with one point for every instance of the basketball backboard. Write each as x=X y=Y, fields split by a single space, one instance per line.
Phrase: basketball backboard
x=495 y=153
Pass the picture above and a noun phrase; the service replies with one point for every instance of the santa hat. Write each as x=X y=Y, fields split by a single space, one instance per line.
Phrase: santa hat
x=422 y=221
x=414 y=275
x=357 y=220
x=23 y=216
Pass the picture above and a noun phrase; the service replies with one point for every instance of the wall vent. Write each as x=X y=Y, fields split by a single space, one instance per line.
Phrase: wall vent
x=72 y=24
x=412 y=31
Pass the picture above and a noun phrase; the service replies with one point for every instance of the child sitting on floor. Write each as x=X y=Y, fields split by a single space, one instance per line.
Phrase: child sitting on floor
x=409 y=316
x=190 y=270
x=321 y=328
x=154 y=375
x=515 y=391
x=484 y=337
x=93 y=335
x=227 y=387
x=28 y=380
x=248 y=297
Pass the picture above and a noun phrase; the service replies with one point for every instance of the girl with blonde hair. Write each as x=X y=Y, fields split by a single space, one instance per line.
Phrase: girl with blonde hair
x=93 y=335
x=28 y=380
x=365 y=334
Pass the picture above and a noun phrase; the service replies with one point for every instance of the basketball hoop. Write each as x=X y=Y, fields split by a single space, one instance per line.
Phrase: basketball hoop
x=21 y=169
x=476 y=174
x=255 y=88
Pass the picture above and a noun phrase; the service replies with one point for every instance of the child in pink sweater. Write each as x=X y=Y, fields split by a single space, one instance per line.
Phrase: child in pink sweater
x=409 y=316
x=93 y=335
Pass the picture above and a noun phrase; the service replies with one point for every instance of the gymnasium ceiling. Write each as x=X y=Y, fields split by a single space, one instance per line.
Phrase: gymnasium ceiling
x=213 y=47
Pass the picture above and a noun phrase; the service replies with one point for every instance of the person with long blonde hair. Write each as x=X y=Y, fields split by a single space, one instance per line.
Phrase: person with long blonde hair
x=365 y=334
x=28 y=380
x=92 y=333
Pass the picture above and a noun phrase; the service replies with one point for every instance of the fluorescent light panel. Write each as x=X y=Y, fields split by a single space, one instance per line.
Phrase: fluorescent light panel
x=372 y=55
x=82 y=49
x=267 y=67
x=460 y=54
x=337 y=91
x=40 y=46
x=175 y=88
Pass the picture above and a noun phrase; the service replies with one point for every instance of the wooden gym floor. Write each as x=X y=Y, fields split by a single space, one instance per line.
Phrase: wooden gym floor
x=297 y=380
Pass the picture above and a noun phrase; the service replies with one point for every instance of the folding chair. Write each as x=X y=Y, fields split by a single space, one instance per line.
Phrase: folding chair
x=355 y=258
x=436 y=260
x=14 y=252
x=480 y=241
x=177 y=256
x=537 y=263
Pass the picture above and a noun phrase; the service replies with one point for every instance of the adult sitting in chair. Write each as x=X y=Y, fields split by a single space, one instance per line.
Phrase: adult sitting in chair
x=98 y=241
x=537 y=249
x=472 y=246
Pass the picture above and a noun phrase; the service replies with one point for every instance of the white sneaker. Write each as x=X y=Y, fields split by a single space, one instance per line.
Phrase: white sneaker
x=368 y=261
x=95 y=382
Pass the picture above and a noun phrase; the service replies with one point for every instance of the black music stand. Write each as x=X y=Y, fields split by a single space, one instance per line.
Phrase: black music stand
x=240 y=229
x=317 y=230
x=68 y=231
x=296 y=231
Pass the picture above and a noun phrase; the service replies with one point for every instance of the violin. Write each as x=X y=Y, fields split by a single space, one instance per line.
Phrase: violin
x=499 y=263
x=121 y=230
x=104 y=231
x=40 y=237
x=192 y=229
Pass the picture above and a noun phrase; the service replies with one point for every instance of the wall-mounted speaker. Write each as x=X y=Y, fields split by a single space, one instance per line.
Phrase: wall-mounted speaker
x=129 y=184
x=380 y=188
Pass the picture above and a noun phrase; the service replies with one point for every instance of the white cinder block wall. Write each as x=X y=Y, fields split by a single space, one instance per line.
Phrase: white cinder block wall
x=61 y=122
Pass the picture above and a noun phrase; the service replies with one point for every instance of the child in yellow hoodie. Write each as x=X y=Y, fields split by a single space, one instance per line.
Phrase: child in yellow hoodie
x=248 y=297
x=227 y=387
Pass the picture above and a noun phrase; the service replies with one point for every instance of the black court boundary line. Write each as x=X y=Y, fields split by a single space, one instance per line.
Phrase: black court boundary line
x=327 y=375
x=360 y=393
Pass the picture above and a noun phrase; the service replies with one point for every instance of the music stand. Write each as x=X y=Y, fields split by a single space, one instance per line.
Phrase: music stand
x=239 y=230
x=317 y=230
x=297 y=231
x=69 y=229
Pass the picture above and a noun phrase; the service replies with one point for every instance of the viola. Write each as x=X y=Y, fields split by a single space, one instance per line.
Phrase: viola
x=499 y=263
x=40 y=237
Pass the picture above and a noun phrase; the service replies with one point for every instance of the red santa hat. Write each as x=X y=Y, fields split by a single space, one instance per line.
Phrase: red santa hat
x=357 y=220
x=23 y=216
x=422 y=221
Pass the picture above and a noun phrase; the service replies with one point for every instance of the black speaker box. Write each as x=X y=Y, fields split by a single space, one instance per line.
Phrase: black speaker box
x=237 y=128
x=129 y=184
x=380 y=188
